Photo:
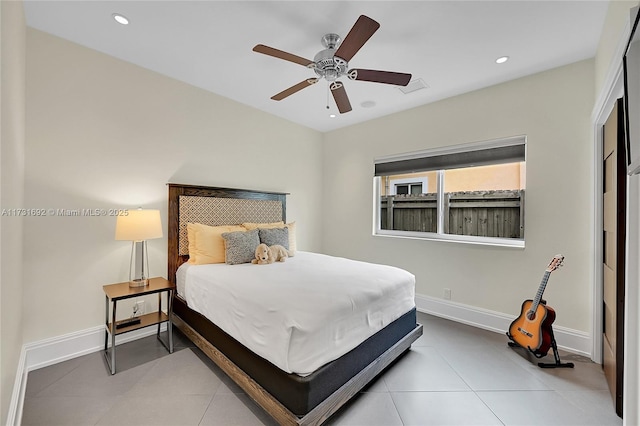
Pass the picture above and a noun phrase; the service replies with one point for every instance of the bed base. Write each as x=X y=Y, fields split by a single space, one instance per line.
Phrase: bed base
x=272 y=406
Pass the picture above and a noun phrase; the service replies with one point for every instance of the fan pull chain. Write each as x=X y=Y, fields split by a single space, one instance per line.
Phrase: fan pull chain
x=328 y=93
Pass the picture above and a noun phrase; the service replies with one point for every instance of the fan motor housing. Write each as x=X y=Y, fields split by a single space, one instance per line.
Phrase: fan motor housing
x=328 y=65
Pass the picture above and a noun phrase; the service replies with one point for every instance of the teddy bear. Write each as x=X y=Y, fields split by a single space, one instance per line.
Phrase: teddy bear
x=265 y=254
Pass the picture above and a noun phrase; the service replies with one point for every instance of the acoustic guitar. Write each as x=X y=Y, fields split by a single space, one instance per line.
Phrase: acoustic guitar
x=532 y=329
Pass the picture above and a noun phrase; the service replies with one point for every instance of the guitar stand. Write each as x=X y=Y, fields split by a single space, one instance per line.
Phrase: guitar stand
x=556 y=355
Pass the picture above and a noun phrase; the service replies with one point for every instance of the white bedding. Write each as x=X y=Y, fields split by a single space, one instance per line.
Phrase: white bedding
x=302 y=313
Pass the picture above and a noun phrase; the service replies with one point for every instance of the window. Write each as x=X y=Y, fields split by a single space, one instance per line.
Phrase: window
x=409 y=188
x=470 y=193
x=407 y=184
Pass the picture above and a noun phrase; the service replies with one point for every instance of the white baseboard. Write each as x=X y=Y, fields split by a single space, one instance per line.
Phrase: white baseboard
x=58 y=349
x=62 y=348
x=574 y=341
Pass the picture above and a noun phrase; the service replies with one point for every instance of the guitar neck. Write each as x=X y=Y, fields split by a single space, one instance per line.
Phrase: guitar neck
x=543 y=285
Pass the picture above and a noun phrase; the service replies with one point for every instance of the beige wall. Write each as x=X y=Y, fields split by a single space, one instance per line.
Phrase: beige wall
x=12 y=110
x=102 y=133
x=553 y=110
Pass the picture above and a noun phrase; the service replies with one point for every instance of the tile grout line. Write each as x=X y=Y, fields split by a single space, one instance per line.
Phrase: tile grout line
x=393 y=400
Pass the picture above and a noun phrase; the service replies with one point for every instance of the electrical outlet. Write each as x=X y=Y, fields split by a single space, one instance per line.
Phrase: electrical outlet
x=447 y=294
x=138 y=308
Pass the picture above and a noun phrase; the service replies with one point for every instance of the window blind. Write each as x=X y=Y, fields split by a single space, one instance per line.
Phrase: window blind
x=452 y=160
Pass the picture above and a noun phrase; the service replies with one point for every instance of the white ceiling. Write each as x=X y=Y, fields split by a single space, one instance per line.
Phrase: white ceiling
x=451 y=45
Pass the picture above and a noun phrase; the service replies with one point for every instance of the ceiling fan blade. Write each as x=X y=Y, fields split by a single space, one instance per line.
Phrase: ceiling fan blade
x=340 y=96
x=266 y=50
x=293 y=89
x=388 y=77
x=361 y=31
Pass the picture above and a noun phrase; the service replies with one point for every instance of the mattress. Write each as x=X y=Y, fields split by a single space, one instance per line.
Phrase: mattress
x=302 y=313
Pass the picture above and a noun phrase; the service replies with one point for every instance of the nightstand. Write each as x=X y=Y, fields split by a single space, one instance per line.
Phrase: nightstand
x=122 y=291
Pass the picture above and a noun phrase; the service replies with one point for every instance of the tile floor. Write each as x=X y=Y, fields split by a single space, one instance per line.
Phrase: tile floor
x=454 y=375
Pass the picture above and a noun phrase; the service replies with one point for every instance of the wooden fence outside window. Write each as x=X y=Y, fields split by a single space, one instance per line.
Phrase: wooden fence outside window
x=477 y=213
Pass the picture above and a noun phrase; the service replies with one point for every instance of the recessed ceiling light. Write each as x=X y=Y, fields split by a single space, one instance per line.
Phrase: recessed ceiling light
x=332 y=116
x=120 y=19
x=502 y=59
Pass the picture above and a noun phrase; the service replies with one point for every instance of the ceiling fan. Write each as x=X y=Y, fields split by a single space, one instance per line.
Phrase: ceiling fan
x=333 y=63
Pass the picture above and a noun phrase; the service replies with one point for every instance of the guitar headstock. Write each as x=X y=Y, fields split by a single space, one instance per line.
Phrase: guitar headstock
x=555 y=263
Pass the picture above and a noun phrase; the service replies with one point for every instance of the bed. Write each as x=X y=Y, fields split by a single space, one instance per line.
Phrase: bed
x=292 y=386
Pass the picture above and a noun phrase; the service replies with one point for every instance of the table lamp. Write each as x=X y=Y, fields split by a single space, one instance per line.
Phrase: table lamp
x=138 y=226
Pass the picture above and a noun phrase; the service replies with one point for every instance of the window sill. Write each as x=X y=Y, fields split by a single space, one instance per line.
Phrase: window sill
x=450 y=238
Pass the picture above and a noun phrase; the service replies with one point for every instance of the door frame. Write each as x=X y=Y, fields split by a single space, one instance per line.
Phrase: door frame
x=620 y=199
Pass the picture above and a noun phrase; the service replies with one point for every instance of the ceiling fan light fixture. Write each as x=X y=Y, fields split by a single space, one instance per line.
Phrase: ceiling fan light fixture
x=120 y=19
x=331 y=75
x=502 y=59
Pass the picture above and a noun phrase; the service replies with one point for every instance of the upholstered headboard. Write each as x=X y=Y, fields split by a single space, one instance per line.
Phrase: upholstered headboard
x=215 y=206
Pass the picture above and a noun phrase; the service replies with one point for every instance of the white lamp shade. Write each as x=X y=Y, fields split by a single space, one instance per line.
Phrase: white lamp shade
x=139 y=225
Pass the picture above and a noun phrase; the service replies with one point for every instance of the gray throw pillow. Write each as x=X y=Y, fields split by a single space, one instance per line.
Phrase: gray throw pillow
x=273 y=236
x=240 y=247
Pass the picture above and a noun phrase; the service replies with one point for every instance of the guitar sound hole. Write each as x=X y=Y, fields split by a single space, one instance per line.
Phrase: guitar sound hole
x=531 y=315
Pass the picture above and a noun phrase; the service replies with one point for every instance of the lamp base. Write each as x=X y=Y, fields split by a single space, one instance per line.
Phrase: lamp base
x=141 y=282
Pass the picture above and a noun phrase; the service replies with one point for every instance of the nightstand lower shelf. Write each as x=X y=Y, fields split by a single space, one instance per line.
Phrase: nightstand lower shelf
x=145 y=321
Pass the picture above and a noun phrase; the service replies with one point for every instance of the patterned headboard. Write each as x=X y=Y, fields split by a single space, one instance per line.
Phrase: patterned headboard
x=214 y=211
x=215 y=206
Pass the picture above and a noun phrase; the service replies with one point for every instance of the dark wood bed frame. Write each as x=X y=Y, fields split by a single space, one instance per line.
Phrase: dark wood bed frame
x=191 y=324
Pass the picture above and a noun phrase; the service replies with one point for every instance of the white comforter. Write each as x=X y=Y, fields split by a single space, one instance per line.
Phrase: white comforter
x=302 y=313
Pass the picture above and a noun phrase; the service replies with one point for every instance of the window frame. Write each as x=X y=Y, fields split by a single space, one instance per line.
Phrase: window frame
x=438 y=236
